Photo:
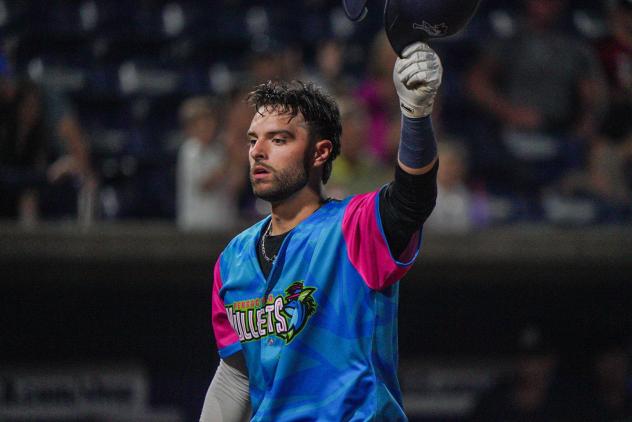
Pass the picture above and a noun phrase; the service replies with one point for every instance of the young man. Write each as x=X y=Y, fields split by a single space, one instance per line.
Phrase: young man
x=305 y=301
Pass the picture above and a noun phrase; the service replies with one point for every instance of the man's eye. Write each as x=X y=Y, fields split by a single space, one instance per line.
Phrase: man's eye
x=252 y=142
x=278 y=140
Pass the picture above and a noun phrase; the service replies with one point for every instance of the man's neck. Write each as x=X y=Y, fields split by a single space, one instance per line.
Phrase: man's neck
x=288 y=213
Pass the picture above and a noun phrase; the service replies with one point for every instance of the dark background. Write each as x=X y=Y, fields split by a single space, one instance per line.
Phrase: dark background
x=141 y=293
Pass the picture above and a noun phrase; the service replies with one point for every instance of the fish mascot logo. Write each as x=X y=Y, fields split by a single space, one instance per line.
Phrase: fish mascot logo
x=299 y=307
x=283 y=316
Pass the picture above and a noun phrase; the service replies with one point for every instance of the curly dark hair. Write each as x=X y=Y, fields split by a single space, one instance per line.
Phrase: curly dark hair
x=319 y=110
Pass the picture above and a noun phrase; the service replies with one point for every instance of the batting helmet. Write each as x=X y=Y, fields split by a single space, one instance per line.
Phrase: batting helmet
x=409 y=21
x=355 y=9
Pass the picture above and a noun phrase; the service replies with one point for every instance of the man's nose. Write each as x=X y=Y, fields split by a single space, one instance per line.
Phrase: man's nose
x=258 y=151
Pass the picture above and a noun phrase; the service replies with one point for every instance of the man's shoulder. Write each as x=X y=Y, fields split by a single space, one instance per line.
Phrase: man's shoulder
x=332 y=211
x=246 y=237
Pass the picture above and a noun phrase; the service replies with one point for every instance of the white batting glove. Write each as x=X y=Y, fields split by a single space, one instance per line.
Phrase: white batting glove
x=417 y=76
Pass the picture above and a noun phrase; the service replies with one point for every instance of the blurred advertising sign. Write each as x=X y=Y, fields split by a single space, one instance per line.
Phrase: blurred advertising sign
x=99 y=392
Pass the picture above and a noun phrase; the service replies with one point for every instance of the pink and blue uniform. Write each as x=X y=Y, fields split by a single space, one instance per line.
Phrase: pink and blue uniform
x=319 y=334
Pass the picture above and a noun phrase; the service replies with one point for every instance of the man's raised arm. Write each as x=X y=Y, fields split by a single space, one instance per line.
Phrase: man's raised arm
x=408 y=201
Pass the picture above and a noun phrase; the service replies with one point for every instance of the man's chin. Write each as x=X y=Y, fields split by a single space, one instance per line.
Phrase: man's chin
x=271 y=195
x=275 y=191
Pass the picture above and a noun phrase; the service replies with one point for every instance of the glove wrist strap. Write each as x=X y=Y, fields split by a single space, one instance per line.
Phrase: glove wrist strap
x=415 y=112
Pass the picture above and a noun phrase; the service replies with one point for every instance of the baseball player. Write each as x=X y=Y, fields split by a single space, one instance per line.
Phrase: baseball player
x=304 y=304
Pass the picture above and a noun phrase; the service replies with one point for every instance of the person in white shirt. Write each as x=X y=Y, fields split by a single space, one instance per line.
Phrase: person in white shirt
x=204 y=200
x=459 y=208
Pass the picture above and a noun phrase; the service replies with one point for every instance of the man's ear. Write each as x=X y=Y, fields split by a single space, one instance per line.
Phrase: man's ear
x=322 y=152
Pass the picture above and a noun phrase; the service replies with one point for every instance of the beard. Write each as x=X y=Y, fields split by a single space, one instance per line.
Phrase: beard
x=284 y=183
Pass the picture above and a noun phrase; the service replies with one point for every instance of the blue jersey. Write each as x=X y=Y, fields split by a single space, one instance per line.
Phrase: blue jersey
x=319 y=334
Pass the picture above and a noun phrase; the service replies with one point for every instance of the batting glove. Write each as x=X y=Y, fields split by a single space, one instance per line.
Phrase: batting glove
x=417 y=76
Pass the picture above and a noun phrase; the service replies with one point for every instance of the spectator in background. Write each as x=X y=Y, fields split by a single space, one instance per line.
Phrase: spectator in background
x=529 y=392
x=270 y=59
x=204 y=197
x=610 y=163
x=612 y=387
x=239 y=116
x=44 y=156
x=459 y=208
x=545 y=89
x=329 y=71
x=355 y=170
x=609 y=173
x=293 y=62
x=615 y=52
x=380 y=99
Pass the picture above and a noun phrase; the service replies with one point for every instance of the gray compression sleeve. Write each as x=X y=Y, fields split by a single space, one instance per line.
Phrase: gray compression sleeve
x=228 y=397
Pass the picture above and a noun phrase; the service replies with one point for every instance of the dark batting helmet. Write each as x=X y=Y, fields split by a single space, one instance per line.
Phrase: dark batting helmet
x=409 y=21
x=355 y=9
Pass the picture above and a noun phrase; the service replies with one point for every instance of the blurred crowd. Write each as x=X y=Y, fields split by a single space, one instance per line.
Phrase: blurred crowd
x=545 y=384
x=138 y=111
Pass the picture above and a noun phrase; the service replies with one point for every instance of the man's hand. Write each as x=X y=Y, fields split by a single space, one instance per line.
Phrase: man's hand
x=417 y=76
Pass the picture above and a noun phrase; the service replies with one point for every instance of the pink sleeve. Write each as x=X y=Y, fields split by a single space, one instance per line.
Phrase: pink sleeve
x=225 y=337
x=367 y=247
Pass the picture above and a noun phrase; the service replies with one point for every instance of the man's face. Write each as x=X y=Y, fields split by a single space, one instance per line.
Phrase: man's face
x=278 y=155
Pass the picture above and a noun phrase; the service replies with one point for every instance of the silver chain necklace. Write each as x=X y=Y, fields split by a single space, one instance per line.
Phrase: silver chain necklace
x=267 y=234
x=263 y=244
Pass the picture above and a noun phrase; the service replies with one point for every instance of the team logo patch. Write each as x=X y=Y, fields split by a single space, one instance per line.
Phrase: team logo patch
x=283 y=316
x=432 y=30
